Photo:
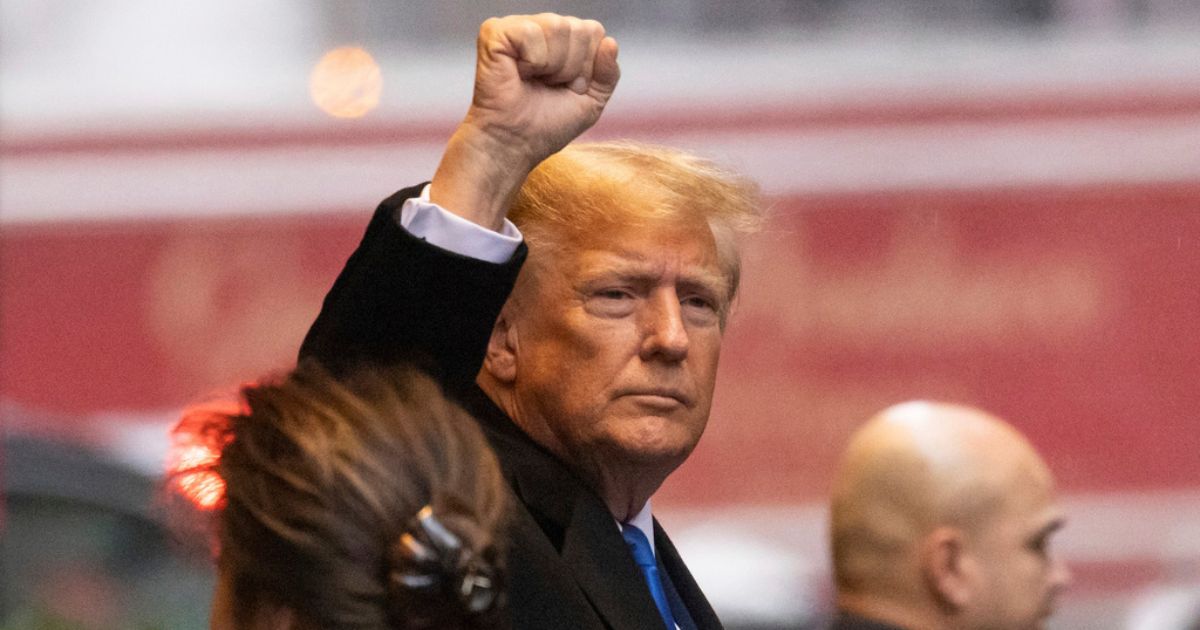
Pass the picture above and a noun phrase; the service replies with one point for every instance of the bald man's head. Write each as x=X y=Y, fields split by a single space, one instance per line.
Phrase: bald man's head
x=940 y=518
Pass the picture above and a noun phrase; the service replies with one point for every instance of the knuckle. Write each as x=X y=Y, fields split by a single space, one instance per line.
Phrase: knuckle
x=528 y=28
x=550 y=21
x=511 y=25
x=489 y=26
x=595 y=28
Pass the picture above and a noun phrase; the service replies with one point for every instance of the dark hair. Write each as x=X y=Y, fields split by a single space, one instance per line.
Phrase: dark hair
x=370 y=502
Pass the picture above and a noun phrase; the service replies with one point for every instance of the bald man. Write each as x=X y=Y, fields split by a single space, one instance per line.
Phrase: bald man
x=941 y=519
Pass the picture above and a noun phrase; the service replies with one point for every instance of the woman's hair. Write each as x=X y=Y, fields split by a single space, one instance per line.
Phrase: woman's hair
x=370 y=502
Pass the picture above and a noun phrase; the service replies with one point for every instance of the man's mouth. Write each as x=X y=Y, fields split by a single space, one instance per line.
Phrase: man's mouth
x=660 y=396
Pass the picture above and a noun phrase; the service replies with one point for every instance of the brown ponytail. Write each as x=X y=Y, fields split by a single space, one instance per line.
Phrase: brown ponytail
x=330 y=493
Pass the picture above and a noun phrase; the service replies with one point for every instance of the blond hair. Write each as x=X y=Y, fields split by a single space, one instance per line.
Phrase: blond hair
x=589 y=186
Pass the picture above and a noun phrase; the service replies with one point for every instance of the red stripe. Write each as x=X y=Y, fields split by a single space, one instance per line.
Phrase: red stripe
x=879 y=111
x=1097 y=577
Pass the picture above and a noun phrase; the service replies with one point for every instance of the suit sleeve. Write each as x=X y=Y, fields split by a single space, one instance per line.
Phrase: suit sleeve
x=401 y=299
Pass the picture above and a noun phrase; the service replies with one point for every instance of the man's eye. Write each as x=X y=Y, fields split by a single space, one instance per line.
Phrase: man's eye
x=700 y=302
x=616 y=302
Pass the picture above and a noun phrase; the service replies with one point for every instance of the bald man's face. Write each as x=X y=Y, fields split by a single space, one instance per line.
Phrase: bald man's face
x=1020 y=578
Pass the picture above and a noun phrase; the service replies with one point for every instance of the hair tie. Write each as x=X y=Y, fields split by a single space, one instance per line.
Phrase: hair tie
x=433 y=561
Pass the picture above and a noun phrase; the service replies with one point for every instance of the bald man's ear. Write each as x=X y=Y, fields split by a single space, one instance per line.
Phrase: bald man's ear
x=501 y=358
x=948 y=568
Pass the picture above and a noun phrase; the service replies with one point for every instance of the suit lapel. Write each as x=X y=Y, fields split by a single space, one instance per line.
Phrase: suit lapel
x=603 y=567
x=588 y=540
x=684 y=585
x=578 y=524
x=683 y=617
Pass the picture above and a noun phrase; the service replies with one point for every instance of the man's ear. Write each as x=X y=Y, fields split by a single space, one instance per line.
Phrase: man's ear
x=501 y=358
x=948 y=567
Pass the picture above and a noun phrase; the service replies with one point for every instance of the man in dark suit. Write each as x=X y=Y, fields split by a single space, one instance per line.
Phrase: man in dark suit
x=598 y=355
x=941 y=520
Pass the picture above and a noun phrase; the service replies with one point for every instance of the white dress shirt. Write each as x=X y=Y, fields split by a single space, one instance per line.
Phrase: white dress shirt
x=425 y=219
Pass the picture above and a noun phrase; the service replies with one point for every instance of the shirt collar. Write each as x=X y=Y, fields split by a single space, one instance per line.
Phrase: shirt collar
x=644 y=521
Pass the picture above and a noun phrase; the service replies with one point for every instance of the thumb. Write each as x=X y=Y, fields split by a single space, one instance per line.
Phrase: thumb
x=605 y=71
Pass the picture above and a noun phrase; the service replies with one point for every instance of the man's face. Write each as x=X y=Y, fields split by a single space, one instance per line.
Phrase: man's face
x=617 y=341
x=1021 y=577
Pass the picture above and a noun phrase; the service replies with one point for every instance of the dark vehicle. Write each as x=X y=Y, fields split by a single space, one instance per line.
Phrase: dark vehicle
x=86 y=547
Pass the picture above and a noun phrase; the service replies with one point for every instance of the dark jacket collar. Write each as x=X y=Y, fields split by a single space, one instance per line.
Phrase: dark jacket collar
x=574 y=519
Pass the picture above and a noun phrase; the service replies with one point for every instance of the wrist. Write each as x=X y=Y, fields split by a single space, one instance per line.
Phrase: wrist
x=479 y=175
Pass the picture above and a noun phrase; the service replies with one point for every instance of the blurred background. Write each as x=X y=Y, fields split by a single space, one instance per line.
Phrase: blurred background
x=995 y=202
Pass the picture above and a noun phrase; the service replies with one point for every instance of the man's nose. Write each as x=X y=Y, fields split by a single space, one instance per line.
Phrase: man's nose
x=664 y=335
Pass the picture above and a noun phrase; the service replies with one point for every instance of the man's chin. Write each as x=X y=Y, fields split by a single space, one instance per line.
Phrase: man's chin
x=646 y=445
x=660 y=449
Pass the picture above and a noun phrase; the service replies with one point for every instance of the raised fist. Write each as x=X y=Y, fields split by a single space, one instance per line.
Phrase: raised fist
x=540 y=81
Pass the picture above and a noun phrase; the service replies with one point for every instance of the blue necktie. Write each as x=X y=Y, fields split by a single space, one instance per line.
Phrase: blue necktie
x=644 y=557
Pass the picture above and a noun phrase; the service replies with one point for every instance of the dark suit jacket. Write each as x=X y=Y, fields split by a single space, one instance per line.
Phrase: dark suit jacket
x=400 y=299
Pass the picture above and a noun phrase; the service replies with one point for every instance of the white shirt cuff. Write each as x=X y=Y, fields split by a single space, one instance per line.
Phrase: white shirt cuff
x=427 y=220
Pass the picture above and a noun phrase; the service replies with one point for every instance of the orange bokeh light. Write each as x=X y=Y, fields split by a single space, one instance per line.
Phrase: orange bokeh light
x=194 y=456
x=203 y=489
x=346 y=83
x=197 y=442
x=196 y=480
